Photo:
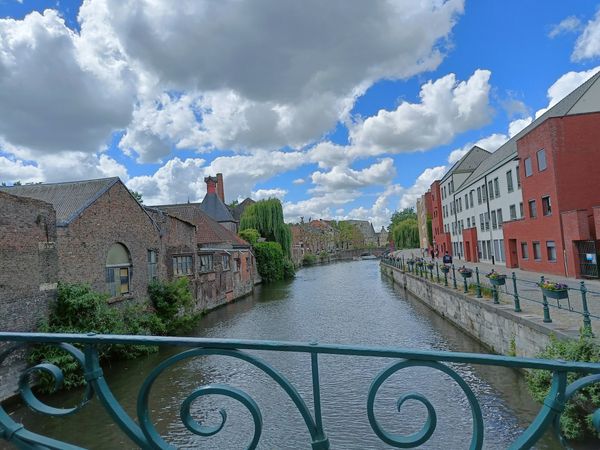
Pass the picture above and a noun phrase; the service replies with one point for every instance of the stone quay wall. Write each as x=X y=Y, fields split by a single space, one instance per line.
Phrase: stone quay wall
x=498 y=327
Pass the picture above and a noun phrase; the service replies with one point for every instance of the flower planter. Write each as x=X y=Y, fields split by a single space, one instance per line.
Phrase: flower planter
x=498 y=281
x=466 y=274
x=430 y=266
x=559 y=295
x=445 y=269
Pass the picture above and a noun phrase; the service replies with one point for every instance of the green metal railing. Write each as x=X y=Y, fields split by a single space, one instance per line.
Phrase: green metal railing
x=143 y=433
x=575 y=302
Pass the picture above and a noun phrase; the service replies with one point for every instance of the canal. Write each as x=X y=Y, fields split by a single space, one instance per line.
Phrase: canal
x=345 y=303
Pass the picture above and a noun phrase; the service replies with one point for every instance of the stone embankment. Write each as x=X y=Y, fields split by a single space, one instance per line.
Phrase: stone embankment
x=498 y=327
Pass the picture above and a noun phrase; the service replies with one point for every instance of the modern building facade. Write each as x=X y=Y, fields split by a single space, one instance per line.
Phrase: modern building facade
x=424 y=216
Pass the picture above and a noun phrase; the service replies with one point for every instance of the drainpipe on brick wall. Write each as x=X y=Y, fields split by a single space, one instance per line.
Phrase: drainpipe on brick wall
x=487 y=202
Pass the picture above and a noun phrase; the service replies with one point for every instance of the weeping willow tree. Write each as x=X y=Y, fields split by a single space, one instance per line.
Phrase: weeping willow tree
x=406 y=234
x=266 y=216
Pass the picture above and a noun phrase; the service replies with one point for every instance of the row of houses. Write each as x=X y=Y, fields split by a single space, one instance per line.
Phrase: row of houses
x=96 y=232
x=534 y=203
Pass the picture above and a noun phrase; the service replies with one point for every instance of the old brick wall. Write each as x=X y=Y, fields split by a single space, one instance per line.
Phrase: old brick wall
x=28 y=275
x=114 y=218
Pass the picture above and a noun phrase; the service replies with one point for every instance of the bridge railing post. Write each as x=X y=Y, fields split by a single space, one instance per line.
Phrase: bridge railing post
x=454 y=277
x=478 y=285
x=516 y=293
x=437 y=271
x=547 y=318
x=587 y=323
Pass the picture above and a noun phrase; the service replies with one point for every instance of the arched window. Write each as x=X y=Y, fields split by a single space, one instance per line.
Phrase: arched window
x=118 y=270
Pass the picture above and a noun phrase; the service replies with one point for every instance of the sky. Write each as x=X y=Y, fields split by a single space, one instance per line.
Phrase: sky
x=340 y=108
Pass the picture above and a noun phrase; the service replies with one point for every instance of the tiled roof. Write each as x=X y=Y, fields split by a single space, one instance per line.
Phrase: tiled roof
x=208 y=231
x=69 y=199
x=215 y=208
x=509 y=150
x=239 y=209
x=469 y=162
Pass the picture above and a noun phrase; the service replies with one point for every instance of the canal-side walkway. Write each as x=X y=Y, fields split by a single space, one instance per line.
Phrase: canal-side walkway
x=566 y=315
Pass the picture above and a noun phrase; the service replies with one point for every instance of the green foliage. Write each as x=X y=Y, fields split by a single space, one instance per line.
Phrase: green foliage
x=288 y=269
x=429 y=230
x=401 y=216
x=348 y=236
x=309 y=259
x=138 y=196
x=575 y=421
x=269 y=261
x=266 y=216
x=250 y=235
x=78 y=309
x=323 y=255
x=406 y=234
x=174 y=304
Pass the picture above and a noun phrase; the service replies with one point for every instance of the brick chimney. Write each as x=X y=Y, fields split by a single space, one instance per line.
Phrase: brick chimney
x=220 y=187
x=211 y=185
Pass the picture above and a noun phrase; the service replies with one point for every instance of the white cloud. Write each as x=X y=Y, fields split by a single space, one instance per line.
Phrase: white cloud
x=261 y=194
x=421 y=185
x=54 y=95
x=12 y=170
x=447 y=107
x=319 y=206
x=344 y=178
x=299 y=181
x=565 y=85
x=588 y=43
x=567 y=25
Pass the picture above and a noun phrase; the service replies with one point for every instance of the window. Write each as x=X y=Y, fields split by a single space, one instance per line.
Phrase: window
x=479 y=196
x=546 y=207
x=502 y=250
x=490 y=190
x=484 y=192
x=489 y=248
x=481 y=223
x=225 y=262
x=497 y=187
x=206 y=263
x=485 y=256
x=152 y=265
x=497 y=250
x=521 y=209
x=541 y=160
x=537 y=251
x=513 y=212
x=466 y=201
x=509 y=181
x=499 y=214
x=528 y=169
x=182 y=265
x=479 y=253
x=460 y=204
x=473 y=221
x=471 y=197
x=518 y=177
x=237 y=263
x=487 y=221
x=118 y=270
x=524 y=250
x=468 y=222
x=494 y=223
x=551 y=250
x=532 y=209
x=451 y=186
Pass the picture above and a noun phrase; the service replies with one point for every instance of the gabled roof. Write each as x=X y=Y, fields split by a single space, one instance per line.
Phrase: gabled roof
x=215 y=208
x=69 y=199
x=469 y=162
x=568 y=105
x=208 y=231
x=239 y=209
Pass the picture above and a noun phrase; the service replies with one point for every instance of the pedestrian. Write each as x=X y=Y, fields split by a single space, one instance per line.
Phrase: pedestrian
x=447 y=258
x=432 y=253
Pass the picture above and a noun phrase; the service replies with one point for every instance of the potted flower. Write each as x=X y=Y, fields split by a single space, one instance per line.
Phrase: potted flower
x=419 y=263
x=445 y=268
x=497 y=279
x=554 y=290
x=430 y=265
x=465 y=272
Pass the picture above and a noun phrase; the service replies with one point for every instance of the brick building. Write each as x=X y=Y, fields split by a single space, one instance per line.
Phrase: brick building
x=559 y=161
x=29 y=274
x=442 y=242
x=213 y=203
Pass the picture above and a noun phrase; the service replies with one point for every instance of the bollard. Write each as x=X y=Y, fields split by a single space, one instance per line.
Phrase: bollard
x=547 y=318
x=478 y=285
x=466 y=285
x=587 y=323
x=516 y=294
x=454 y=277
x=495 y=294
x=446 y=279
x=437 y=271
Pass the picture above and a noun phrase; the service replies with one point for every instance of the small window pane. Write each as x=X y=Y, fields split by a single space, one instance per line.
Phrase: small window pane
x=528 y=169
x=509 y=181
x=551 y=250
x=497 y=187
x=513 y=212
x=524 y=250
x=532 y=209
x=546 y=206
x=541 y=159
x=537 y=251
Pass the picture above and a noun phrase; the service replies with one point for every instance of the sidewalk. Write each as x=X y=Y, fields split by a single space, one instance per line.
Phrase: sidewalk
x=564 y=320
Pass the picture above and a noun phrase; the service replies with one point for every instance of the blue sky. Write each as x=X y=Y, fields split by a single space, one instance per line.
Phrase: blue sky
x=343 y=110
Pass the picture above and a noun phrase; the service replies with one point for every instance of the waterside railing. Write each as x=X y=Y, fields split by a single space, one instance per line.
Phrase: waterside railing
x=573 y=301
x=143 y=433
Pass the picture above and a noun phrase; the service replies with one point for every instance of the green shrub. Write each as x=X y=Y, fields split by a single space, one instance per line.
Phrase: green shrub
x=323 y=255
x=174 y=305
x=308 y=259
x=79 y=309
x=269 y=261
x=288 y=269
x=250 y=235
x=576 y=420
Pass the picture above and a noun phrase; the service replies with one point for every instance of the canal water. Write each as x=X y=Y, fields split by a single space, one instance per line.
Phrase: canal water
x=342 y=303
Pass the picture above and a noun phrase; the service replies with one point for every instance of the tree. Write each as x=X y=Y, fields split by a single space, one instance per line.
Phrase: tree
x=266 y=216
x=349 y=236
x=399 y=216
x=250 y=235
x=406 y=234
x=137 y=196
x=429 y=230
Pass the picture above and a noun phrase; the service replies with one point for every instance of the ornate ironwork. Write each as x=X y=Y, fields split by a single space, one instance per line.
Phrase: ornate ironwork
x=142 y=432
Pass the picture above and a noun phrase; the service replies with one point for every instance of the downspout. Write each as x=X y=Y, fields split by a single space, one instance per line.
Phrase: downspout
x=487 y=202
